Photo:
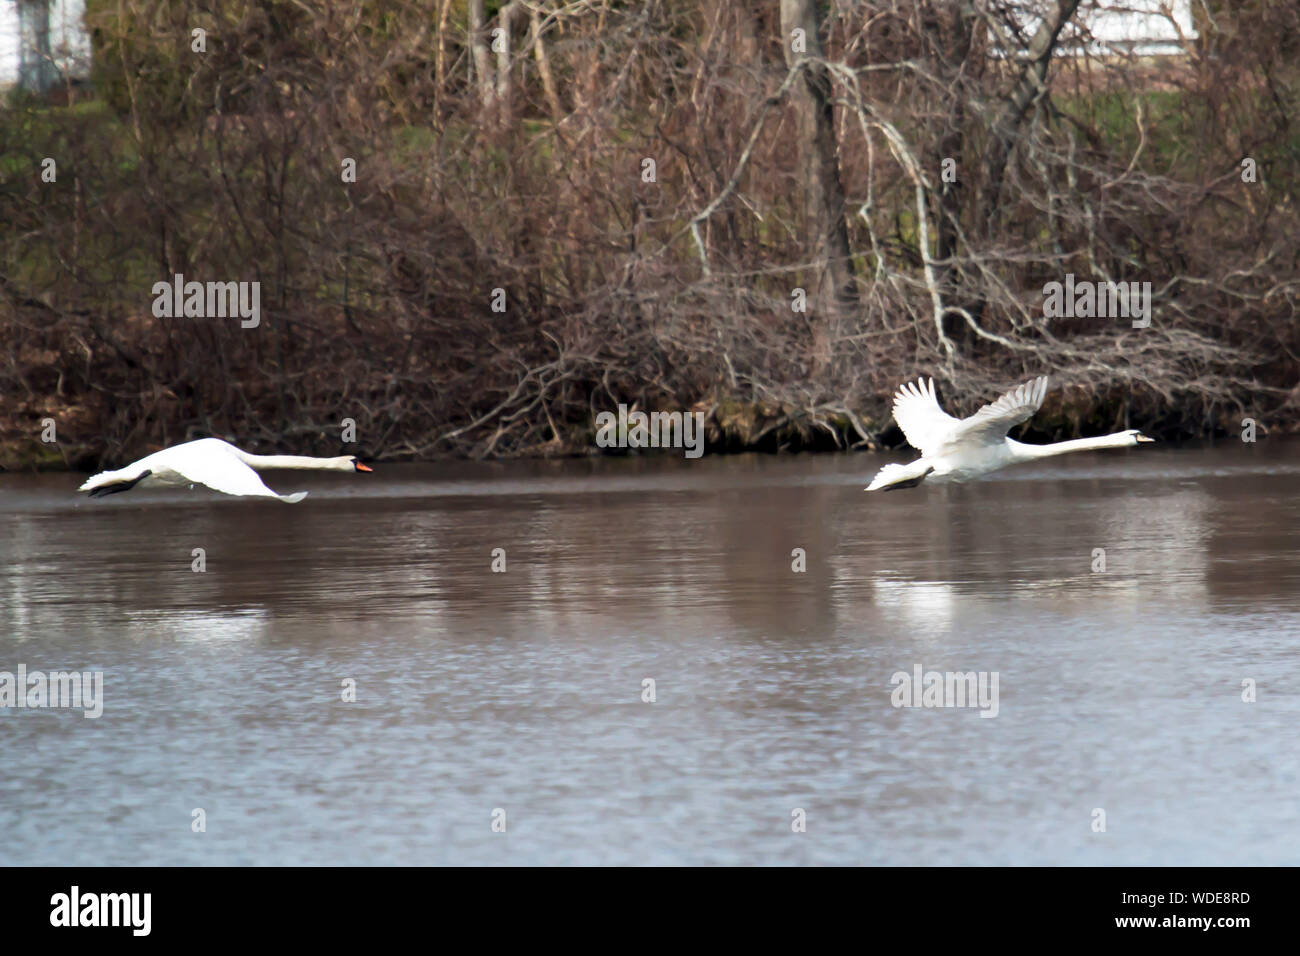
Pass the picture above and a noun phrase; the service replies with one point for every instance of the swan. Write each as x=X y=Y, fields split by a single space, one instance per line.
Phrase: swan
x=961 y=449
x=212 y=462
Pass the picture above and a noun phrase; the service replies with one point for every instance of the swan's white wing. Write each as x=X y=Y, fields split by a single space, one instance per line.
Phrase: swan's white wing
x=917 y=411
x=992 y=422
x=220 y=470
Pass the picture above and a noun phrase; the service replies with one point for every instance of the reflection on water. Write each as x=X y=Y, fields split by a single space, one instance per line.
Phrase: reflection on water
x=1119 y=689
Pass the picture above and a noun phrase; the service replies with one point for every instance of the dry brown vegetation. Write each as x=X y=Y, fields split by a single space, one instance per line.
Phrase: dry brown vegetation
x=523 y=169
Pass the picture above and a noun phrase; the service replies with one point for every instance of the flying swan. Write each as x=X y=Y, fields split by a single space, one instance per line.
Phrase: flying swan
x=212 y=462
x=961 y=449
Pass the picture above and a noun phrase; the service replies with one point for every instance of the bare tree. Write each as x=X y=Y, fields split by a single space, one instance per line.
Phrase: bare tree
x=482 y=65
x=818 y=158
x=499 y=270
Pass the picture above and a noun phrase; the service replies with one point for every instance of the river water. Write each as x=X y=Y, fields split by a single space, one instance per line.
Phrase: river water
x=518 y=696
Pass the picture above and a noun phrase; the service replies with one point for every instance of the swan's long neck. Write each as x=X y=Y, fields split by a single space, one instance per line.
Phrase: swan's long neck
x=1117 y=440
x=266 y=462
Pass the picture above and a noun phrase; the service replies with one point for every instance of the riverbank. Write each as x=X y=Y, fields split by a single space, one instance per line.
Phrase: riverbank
x=729 y=428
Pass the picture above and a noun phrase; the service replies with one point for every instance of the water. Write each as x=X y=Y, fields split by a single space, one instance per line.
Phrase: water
x=1118 y=690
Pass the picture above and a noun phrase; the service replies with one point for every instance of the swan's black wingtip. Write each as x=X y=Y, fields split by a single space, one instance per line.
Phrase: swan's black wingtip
x=119 y=486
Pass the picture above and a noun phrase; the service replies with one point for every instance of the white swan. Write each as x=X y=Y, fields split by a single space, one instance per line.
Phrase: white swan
x=212 y=462
x=961 y=449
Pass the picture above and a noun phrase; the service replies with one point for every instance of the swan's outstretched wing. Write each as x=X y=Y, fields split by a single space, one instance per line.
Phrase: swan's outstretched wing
x=917 y=411
x=222 y=471
x=992 y=422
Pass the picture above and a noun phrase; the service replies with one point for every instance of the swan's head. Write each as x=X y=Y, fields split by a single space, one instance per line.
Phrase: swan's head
x=359 y=465
x=1137 y=436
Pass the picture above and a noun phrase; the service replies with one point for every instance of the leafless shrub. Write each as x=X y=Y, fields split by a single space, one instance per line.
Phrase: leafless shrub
x=521 y=169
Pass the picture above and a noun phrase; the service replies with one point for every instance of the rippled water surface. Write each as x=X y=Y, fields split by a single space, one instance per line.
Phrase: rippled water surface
x=1119 y=690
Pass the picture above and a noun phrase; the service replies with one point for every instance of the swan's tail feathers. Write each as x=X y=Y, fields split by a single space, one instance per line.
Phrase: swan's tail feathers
x=292 y=499
x=894 y=476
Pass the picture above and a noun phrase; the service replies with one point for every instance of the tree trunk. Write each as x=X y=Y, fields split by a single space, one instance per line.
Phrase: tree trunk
x=502 y=44
x=482 y=63
x=819 y=165
x=544 y=69
x=1029 y=87
x=440 y=58
x=952 y=43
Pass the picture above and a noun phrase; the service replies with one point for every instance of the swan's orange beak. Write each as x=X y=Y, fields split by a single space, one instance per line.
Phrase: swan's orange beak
x=361 y=467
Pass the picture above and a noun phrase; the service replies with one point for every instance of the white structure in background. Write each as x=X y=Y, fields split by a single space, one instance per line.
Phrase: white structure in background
x=43 y=43
x=1113 y=27
x=1140 y=27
